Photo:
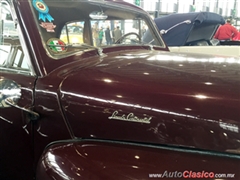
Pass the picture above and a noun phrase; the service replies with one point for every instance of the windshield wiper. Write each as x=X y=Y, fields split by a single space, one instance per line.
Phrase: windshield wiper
x=148 y=44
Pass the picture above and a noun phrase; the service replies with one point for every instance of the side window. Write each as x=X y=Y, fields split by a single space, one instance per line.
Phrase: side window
x=11 y=52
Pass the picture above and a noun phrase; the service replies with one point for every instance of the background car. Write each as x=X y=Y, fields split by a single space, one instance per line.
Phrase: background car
x=72 y=34
x=189 y=29
x=185 y=32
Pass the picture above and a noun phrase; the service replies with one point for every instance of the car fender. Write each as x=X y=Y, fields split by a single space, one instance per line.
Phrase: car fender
x=102 y=159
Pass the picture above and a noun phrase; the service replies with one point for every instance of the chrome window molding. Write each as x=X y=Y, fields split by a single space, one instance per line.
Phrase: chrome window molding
x=16 y=70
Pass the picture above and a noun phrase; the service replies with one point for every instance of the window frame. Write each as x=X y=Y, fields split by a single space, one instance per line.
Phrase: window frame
x=8 y=64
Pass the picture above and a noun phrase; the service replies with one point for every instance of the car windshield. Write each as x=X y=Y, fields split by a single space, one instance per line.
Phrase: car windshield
x=68 y=27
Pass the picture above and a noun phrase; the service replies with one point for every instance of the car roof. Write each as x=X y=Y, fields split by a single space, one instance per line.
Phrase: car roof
x=180 y=33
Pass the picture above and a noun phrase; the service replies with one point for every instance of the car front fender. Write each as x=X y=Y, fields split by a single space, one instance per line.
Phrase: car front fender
x=98 y=159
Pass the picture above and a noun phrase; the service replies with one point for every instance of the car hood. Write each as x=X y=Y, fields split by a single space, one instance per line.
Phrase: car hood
x=156 y=98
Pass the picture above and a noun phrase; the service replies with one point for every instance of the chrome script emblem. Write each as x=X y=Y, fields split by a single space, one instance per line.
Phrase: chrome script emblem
x=129 y=117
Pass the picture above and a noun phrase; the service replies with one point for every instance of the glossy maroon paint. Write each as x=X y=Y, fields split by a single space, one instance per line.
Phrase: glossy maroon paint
x=190 y=101
x=86 y=159
x=152 y=84
x=16 y=132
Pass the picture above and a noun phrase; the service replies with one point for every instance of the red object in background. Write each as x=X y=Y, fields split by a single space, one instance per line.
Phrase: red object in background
x=225 y=32
x=237 y=38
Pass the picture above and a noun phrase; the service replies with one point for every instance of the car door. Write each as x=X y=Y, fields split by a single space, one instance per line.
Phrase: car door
x=17 y=80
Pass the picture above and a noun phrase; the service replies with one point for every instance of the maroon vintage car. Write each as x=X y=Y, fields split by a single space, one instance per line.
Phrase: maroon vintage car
x=83 y=96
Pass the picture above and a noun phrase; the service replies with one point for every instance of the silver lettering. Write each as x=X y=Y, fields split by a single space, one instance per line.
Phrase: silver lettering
x=129 y=117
